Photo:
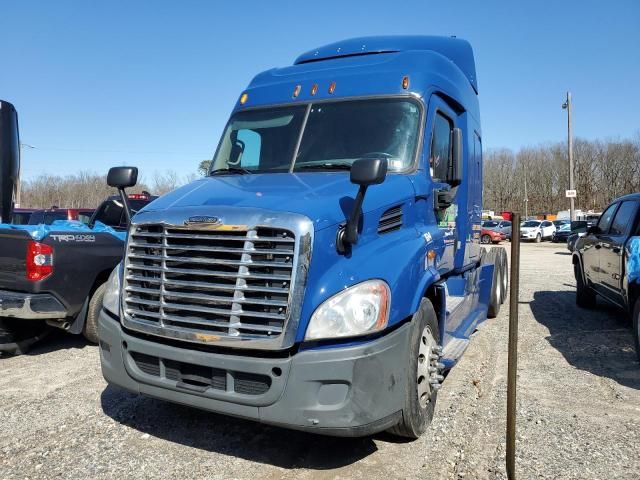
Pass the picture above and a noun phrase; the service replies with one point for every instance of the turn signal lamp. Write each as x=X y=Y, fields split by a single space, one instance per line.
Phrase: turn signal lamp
x=39 y=261
x=405 y=82
x=243 y=98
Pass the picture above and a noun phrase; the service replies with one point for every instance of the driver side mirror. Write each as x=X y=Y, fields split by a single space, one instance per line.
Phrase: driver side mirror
x=594 y=230
x=364 y=172
x=454 y=173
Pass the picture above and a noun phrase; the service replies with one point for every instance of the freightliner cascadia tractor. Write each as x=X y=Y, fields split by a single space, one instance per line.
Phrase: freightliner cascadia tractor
x=328 y=271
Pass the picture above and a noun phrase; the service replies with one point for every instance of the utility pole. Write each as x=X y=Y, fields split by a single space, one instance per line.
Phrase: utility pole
x=526 y=198
x=567 y=106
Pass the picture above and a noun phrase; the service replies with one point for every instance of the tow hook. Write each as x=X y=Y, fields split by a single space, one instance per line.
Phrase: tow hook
x=436 y=368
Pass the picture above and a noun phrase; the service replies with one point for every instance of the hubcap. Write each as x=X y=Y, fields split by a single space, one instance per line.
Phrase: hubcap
x=429 y=374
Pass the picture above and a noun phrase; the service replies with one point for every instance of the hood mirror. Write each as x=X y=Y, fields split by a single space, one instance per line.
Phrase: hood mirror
x=364 y=172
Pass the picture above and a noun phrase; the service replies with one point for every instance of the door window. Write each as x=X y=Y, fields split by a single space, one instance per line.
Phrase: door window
x=440 y=157
x=606 y=218
x=624 y=218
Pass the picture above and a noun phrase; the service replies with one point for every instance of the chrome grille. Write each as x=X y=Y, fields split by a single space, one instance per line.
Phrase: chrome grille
x=233 y=283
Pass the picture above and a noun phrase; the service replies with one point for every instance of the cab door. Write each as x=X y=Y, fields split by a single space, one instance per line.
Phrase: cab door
x=442 y=122
x=612 y=251
x=591 y=246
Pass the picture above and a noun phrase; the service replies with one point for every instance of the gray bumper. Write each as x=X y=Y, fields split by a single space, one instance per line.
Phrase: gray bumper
x=32 y=306
x=348 y=391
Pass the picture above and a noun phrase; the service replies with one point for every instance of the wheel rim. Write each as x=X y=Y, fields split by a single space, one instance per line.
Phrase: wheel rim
x=427 y=365
x=486 y=239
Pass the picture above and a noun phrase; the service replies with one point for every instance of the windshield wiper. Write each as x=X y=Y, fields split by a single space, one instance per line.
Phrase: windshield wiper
x=230 y=171
x=325 y=166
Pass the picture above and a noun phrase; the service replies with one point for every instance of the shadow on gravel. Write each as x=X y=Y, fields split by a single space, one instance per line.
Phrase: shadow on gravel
x=232 y=436
x=51 y=341
x=599 y=341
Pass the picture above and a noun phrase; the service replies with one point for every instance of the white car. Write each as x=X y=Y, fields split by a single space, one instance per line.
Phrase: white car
x=537 y=230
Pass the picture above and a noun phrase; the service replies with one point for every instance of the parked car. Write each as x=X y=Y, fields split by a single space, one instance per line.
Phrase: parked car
x=49 y=215
x=501 y=226
x=491 y=236
x=537 y=230
x=606 y=261
x=54 y=274
x=559 y=223
x=562 y=233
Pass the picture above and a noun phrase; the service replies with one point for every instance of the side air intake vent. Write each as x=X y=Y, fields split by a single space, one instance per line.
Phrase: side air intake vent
x=391 y=220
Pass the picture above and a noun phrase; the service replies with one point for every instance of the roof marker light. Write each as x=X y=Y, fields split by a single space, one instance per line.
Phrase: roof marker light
x=243 y=98
x=296 y=91
x=332 y=87
x=405 y=82
x=314 y=89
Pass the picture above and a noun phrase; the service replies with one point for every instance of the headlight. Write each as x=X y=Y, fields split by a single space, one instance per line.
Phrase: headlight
x=358 y=310
x=111 y=299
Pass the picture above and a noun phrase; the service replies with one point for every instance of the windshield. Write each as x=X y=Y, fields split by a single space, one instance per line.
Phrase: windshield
x=565 y=227
x=531 y=223
x=335 y=135
x=490 y=224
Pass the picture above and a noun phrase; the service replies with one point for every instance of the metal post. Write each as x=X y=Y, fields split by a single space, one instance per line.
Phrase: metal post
x=526 y=198
x=512 y=361
x=567 y=106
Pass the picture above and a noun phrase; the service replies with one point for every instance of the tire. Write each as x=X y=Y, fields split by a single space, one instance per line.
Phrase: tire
x=90 y=330
x=17 y=336
x=636 y=327
x=495 y=298
x=585 y=297
x=504 y=274
x=420 y=396
x=538 y=238
x=485 y=239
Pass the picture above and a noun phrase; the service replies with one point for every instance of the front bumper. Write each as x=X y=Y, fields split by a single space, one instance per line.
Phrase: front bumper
x=348 y=391
x=528 y=235
x=31 y=306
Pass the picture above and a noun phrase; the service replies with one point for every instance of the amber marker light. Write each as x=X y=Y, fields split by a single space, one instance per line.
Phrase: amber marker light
x=296 y=91
x=332 y=87
x=243 y=98
x=314 y=89
x=405 y=82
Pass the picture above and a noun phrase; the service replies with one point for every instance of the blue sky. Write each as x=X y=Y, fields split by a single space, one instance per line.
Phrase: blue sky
x=152 y=83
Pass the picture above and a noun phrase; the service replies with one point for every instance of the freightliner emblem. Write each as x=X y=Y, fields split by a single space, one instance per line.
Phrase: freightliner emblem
x=202 y=219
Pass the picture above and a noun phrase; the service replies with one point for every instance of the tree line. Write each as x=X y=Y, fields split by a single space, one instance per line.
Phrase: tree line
x=89 y=189
x=535 y=179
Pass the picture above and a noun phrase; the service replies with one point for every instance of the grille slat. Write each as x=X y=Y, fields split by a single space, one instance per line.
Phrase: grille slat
x=227 y=283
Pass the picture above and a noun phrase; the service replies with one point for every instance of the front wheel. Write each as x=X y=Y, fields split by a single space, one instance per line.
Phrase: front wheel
x=486 y=239
x=425 y=373
x=538 y=238
x=585 y=297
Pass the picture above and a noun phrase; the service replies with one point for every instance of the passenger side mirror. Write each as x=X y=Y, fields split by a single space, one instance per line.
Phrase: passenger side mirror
x=369 y=171
x=454 y=174
x=121 y=178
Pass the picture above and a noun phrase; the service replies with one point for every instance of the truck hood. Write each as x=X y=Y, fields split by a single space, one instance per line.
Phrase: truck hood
x=326 y=198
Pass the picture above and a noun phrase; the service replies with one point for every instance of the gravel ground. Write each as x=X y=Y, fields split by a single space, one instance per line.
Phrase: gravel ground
x=578 y=410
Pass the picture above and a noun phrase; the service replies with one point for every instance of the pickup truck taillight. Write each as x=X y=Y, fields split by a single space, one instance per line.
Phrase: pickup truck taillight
x=39 y=261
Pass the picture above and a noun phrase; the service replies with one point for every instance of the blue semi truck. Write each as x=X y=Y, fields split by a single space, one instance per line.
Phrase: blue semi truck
x=328 y=271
